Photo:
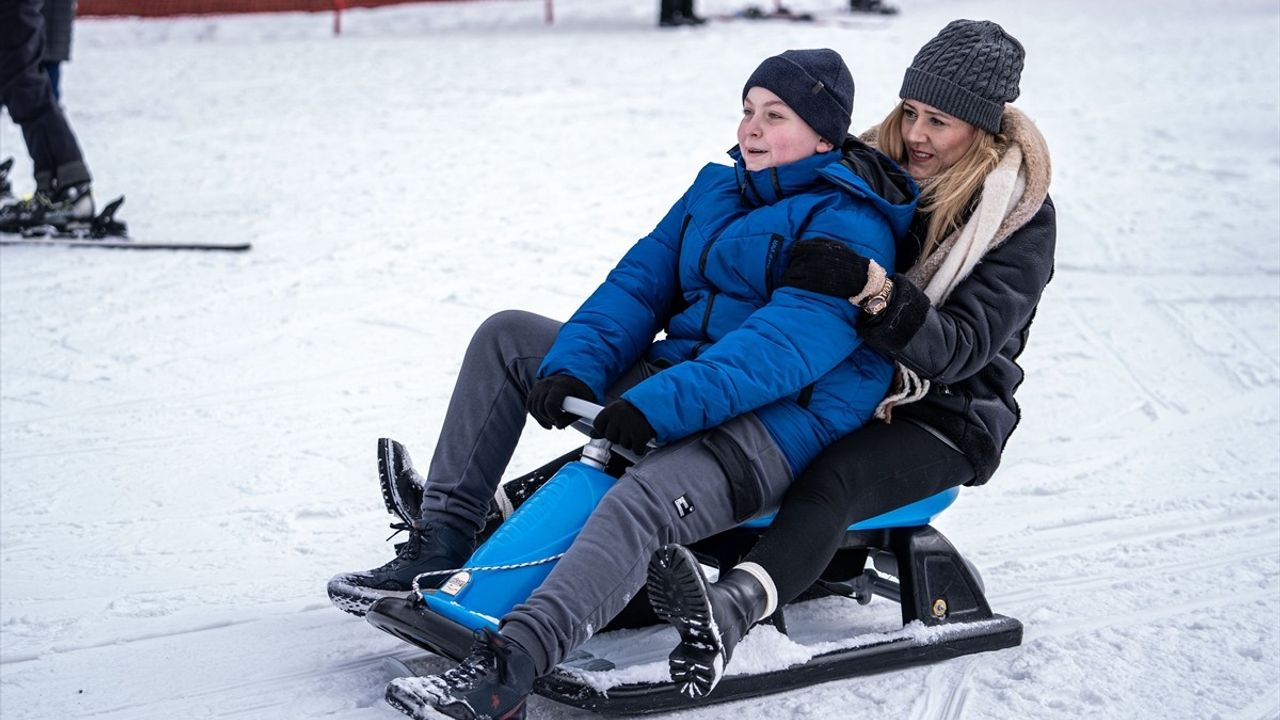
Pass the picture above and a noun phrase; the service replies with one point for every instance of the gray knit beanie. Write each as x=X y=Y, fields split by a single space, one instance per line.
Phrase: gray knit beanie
x=816 y=84
x=970 y=70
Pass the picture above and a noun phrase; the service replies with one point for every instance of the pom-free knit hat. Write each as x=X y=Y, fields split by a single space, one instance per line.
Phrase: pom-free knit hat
x=970 y=70
x=816 y=84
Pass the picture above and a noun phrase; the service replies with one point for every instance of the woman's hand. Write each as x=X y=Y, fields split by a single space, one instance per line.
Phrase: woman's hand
x=827 y=267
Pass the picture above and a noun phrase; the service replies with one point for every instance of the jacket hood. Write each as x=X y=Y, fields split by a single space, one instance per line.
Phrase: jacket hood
x=883 y=181
x=857 y=168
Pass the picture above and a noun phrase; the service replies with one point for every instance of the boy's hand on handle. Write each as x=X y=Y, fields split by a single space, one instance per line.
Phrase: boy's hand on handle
x=827 y=267
x=622 y=423
x=547 y=397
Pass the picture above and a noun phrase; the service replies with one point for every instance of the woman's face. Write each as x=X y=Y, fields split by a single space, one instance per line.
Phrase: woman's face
x=935 y=140
x=772 y=134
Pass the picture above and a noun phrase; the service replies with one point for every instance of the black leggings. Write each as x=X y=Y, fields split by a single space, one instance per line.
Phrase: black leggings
x=873 y=470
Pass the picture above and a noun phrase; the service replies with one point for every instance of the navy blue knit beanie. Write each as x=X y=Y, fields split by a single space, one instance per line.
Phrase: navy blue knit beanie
x=816 y=84
x=970 y=70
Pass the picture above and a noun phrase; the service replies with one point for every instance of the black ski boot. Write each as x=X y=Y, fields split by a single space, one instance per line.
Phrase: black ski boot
x=710 y=617
x=63 y=209
x=431 y=549
x=492 y=683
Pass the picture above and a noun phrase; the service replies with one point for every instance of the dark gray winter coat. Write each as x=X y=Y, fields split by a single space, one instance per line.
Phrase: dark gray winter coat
x=58 y=15
x=967 y=347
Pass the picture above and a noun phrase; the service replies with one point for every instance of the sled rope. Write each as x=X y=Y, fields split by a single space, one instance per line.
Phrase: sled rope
x=484 y=568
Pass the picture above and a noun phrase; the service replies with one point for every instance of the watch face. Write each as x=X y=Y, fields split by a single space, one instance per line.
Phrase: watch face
x=875 y=305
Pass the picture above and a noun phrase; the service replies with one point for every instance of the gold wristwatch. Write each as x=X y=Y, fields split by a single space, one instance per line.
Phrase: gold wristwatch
x=876 y=304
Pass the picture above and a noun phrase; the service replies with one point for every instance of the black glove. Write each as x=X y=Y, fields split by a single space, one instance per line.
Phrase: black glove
x=620 y=422
x=827 y=267
x=546 y=400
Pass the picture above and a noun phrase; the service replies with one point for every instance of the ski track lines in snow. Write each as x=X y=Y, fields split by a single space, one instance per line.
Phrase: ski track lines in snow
x=184 y=687
x=186 y=440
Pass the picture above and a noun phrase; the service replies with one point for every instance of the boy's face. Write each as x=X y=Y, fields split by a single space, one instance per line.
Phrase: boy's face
x=772 y=134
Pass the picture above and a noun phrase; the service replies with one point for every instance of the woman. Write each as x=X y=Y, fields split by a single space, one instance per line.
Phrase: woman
x=979 y=253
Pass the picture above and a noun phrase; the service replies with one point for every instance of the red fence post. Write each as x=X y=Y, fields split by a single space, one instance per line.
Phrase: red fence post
x=550 y=13
x=338 y=5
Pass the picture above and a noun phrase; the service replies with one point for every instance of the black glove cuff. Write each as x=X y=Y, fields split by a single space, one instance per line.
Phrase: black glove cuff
x=893 y=328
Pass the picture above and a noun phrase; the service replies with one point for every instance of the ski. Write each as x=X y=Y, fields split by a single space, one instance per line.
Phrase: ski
x=782 y=14
x=752 y=12
x=104 y=231
x=122 y=243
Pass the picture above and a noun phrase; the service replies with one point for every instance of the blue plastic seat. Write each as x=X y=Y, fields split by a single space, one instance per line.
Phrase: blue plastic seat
x=918 y=513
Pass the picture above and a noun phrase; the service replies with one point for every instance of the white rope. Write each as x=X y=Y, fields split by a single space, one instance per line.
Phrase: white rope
x=484 y=568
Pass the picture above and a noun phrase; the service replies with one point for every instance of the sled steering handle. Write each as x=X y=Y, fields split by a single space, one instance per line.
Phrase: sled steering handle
x=584 y=409
x=588 y=411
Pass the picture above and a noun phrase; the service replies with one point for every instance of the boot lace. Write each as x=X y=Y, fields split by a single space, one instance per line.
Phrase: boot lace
x=409 y=549
x=488 y=654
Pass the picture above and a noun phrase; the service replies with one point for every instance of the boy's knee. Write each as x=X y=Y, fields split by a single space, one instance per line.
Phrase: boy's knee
x=505 y=322
x=631 y=502
x=673 y=512
x=515 y=332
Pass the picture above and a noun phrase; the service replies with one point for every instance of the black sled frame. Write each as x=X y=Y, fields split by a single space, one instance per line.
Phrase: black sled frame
x=935 y=586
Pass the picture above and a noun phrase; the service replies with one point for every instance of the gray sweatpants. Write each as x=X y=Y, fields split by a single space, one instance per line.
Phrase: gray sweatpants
x=678 y=493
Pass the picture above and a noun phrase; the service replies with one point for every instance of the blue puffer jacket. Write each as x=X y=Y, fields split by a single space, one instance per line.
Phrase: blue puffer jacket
x=734 y=344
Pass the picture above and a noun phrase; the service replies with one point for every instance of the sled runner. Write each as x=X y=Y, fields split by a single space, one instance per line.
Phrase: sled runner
x=943 y=608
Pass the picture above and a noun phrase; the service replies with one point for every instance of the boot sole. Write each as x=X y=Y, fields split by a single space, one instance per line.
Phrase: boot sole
x=678 y=594
x=418 y=706
x=391 y=455
x=356 y=599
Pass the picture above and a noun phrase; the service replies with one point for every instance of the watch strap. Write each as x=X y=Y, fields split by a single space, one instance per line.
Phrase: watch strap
x=876 y=277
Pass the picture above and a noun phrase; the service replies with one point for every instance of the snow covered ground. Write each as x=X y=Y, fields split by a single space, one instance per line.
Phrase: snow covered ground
x=186 y=440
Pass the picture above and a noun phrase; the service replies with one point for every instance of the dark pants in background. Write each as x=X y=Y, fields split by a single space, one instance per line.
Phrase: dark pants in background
x=26 y=93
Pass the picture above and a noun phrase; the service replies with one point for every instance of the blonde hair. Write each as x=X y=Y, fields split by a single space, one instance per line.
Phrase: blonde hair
x=947 y=198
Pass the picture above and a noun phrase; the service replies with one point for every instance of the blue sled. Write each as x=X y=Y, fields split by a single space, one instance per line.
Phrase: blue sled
x=914 y=565
x=547 y=524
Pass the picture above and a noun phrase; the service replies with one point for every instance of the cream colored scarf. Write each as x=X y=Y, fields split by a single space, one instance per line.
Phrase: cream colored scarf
x=1012 y=193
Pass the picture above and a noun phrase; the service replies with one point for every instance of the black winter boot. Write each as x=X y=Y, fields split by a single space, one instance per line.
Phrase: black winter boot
x=434 y=548
x=401 y=484
x=403 y=487
x=711 y=618
x=492 y=683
